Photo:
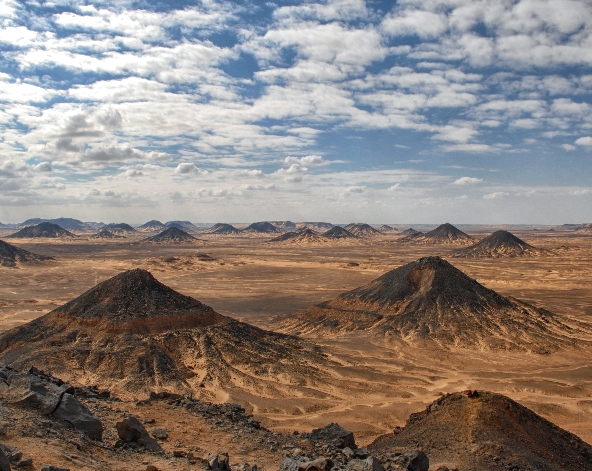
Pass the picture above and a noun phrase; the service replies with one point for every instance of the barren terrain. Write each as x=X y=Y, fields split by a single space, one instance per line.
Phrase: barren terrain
x=377 y=383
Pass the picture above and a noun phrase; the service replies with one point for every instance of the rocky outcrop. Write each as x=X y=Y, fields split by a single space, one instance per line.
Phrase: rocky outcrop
x=132 y=434
x=50 y=396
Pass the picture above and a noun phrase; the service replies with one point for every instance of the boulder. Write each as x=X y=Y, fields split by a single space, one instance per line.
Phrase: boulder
x=413 y=460
x=74 y=412
x=368 y=464
x=159 y=433
x=50 y=467
x=31 y=390
x=218 y=461
x=131 y=430
x=4 y=461
x=305 y=464
x=335 y=435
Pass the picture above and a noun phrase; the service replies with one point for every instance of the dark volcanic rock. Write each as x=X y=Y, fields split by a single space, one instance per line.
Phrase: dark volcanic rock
x=221 y=228
x=75 y=413
x=337 y=232
x=171 y=235
x=497 y=245
x=153 y=225
x=503 y=435
x=306 y=236
x=367 y=464
x=432 y=300
x=11 y=255
x=386 y=228
x=131 y=430
x=335 y=435
x=4 y=461
x=261 y=228
x=43 y=230
x=104 y=234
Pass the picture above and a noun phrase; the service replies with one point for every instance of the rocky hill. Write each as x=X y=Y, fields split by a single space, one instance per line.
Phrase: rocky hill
x=11 y=256
x=43 y=230
x=585 y=229
x=387 y=229
x=120 y=228
x=338 y=232
x=151 y=226
x=431 y=300
x=444 y=234
x=133 y=334
x=172 y=235
x=304 y=237
x=221 y=228
x=104 y=234
x=261 y=228
x=184 y=225
x=484 y=431
x=498 y=245
x=361 y=230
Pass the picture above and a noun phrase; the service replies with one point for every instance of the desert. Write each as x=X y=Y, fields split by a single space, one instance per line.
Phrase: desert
x=363 y=378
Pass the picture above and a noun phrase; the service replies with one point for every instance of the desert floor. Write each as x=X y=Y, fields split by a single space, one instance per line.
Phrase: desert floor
x=381 y=384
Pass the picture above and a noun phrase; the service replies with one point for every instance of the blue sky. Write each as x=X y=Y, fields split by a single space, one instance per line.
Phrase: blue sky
x=468 y=111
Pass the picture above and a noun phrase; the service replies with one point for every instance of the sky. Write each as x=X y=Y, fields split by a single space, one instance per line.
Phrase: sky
x=426 y=111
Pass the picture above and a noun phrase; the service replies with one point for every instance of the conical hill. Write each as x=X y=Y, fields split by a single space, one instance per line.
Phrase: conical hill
x=497 y=245
x=431 y=300
x=338 y=232
x=43 y=230
x=133 y=334
x=445 y=234
x=172 y=235
x=10 y=255
x=484 y=431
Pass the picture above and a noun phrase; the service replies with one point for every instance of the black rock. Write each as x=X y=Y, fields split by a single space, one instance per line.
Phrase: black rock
x=74 y=412
x=131 y=430
x=334 y=435
x=413 y=460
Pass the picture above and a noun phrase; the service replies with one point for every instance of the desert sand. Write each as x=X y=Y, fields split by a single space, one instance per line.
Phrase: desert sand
x=372 y=385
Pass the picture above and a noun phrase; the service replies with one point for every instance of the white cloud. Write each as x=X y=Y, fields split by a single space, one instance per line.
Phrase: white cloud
x=568 y=147
x=584 y=141
x=43 y=167
x=495 y=195
x=307 y=160
x=463 y=181
x=189 y=168
x=355 y=189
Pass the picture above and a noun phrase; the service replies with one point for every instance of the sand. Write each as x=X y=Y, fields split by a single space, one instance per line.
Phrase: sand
x=377 y=384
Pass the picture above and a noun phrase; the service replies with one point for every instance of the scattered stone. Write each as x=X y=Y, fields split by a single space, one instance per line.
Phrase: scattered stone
x=25 y=463
x=50 y=467
x=413 y=460
x=159 y=433
x=75 y=413
x=334 y=435
x=131 y=431
x=368 y=464
x=218 y=461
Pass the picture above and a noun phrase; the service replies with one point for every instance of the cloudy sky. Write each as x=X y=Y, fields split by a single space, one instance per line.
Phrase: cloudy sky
x=467 y=111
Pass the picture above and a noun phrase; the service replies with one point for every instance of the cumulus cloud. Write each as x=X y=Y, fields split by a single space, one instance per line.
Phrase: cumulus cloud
x=584 y=141
x=43 y=167
x=307 y=160
x=464 y=181
x=568 y=147
x=495 y=195
x=186 y=168
x=355 y=189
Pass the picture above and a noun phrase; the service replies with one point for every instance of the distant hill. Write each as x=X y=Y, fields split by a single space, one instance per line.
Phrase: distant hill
x=284 y=225
x=43 y=230
x=386 y=228
x=497 y=245
x=261 y=228
x=65 y=223
x=445 y=234
x=411 y=232
x=171 y=235
x=484 y=431
x=431 y=300
x=151 y=226
x=220 y=228
x=317 y=226
x=338 y=232
x=304 y=237
x=184 y=225
x=585 y=229
x=120 y=228
x=361 y=229
x=10 y=255
x=104 y=234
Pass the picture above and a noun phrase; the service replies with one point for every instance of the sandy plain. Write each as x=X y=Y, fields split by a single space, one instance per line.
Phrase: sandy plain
x=379 y=384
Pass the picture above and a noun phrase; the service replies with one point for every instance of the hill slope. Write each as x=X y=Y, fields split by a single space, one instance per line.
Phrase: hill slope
x=361 y=230
x=430 y=300
x=497 y=245
x=120 y=228
x=43 y=230
x=484 y=431
x=222 y=228
x=10 y=255
x=172 y=235
x=304 y=237
x=338 y=232
x=131 y=333
x=261 y=228
x=445 y=234
x=150 y=226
